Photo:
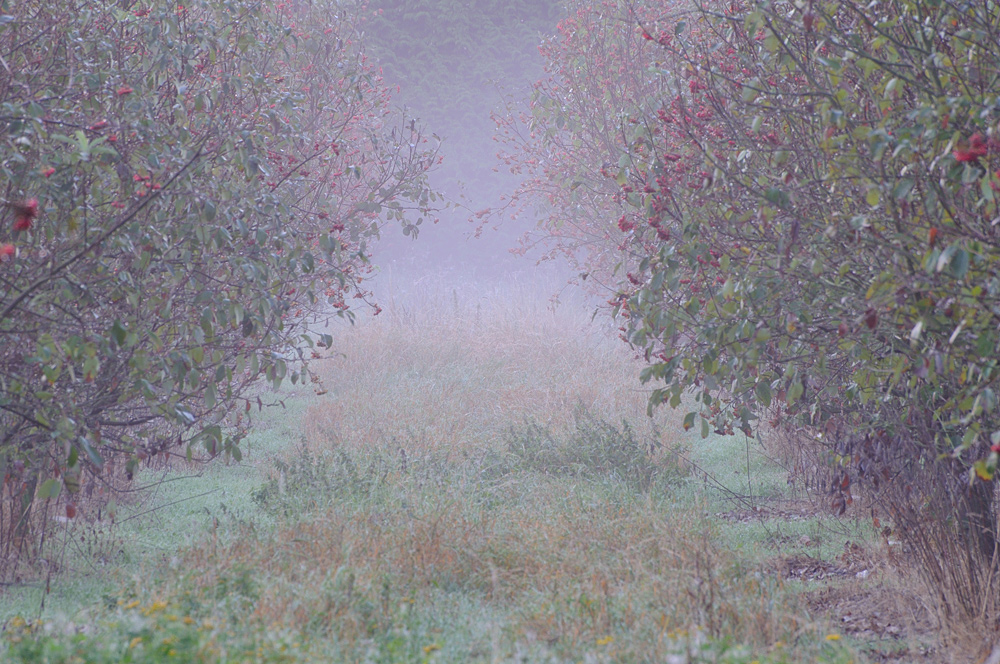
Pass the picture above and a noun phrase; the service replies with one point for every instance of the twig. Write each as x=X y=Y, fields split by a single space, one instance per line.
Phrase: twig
x=175 y=502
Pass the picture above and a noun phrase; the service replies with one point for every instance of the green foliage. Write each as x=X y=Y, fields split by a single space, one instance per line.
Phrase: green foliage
x=159 y=631
x=311 y=481
x=809 y=235
x=185 y=186
x=835 y=261
x=821 y=246
x=571 y=143
x=593 y=449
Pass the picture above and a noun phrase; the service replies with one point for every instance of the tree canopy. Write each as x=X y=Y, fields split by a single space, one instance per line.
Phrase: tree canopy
x=794 y=207
x=184 y=186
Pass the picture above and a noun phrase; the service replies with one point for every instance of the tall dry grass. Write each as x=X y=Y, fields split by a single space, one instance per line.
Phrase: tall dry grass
x=482 y=477
x=452 y=368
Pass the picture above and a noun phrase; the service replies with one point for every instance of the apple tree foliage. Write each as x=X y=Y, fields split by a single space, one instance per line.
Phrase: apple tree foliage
x=802 y=199
x=184 y=186
x=570 y=144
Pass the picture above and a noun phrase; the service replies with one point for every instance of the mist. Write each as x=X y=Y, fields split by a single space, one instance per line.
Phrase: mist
x=450 y=77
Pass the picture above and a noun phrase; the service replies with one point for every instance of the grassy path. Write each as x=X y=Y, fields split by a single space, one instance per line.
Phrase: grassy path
x=479 y=483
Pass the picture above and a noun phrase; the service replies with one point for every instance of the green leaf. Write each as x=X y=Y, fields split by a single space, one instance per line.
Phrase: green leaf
x=118 y=333
x=988 y=398
x=795 y=392
x=983 y=470
x=689 y=421
x=763 y=392
x=91 y=453
x=902 y=188
x=210 y=396
x=777 y=197
x=49 y=489
x=959 y=264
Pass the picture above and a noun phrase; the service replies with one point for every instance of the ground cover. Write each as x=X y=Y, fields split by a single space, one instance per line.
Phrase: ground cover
x=480 y=482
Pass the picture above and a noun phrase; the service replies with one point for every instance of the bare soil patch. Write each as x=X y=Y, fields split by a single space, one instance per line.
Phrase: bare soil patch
x=791 y=511
x=892 y=623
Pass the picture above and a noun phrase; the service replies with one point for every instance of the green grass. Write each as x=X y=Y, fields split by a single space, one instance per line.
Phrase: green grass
x=480 y=483
x=149 y=529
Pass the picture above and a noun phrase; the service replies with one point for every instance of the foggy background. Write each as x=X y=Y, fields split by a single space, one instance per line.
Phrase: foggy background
x=454 y=63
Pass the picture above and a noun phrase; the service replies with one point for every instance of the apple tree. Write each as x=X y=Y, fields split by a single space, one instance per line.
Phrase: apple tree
x=185 y=186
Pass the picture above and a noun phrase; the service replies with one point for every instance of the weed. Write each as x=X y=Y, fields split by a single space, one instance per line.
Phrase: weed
x=593 y=448
x=310 y=481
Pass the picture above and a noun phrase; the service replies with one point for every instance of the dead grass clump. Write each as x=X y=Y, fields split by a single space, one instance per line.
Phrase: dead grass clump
x=953 y=564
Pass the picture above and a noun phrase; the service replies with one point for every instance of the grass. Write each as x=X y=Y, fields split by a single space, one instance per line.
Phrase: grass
x=480 y=483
